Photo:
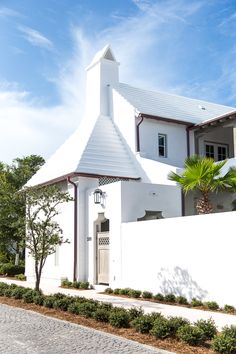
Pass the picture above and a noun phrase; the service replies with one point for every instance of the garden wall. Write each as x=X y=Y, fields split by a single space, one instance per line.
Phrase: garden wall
x=193 y=256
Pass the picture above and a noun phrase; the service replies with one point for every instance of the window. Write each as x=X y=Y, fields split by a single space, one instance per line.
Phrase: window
x=209 y=151
x=215 y=151
x=221 y=152
x=162 y=145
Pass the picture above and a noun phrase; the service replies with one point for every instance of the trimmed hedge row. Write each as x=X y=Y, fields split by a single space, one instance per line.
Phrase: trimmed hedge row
x=171 y=299
x=75 y=284
x=154 y=323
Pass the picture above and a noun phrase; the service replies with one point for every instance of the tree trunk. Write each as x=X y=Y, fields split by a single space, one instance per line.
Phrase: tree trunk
x=203 y=204
x=37 y=276
x=17 y=257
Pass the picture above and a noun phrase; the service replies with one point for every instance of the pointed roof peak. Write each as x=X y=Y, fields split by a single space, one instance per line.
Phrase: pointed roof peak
x=105 y=53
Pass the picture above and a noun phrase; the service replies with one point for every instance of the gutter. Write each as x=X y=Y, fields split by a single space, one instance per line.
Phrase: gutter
x=75 y=226
x=137 y=132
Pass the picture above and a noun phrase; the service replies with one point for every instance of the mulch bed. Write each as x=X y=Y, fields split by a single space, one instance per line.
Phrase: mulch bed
x=168 y=344
x=172 y=304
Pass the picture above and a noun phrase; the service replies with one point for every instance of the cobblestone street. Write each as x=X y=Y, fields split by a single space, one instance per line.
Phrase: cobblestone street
x=24 y=332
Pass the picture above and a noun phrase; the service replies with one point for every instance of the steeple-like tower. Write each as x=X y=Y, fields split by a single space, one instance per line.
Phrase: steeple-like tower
x=102 y=74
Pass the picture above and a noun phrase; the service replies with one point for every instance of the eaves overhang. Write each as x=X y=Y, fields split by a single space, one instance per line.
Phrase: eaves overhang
x=168 y=120
x=78 y=174
x=214 y=121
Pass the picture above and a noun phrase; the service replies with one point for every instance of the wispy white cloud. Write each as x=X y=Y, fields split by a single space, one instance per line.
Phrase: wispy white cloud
x=35 y=37
x=7 y=12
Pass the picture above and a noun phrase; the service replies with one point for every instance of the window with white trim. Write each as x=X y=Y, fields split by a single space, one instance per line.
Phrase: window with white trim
x=218 y=152
x=162 y=145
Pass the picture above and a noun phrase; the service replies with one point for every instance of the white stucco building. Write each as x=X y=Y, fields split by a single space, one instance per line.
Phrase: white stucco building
x=128 y=142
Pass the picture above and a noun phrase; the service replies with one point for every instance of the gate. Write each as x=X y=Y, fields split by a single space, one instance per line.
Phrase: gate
x=103 y=257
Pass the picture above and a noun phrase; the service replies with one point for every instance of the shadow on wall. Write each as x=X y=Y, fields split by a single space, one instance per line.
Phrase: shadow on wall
x=179 y=282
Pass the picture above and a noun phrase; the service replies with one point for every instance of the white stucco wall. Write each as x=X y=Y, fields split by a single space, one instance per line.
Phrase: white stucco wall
x=136 y=198
x=176 y=141
x=124 y=118
x=126 y=201
x=191 y=256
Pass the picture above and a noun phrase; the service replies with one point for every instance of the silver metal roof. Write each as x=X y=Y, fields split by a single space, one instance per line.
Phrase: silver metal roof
x=171 y=106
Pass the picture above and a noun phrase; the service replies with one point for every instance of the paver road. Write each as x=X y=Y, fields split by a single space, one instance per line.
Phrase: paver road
x=26 y=332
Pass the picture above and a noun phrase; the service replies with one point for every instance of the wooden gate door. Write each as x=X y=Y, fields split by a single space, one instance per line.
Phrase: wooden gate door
x=103 y=257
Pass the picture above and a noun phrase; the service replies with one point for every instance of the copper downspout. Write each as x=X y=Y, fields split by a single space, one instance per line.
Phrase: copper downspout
x=137 y=133
x=75 y=226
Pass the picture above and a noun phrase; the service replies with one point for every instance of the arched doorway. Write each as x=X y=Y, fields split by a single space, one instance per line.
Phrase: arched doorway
x=102 y=249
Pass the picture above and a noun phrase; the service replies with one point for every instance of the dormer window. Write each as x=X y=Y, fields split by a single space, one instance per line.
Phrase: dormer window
x=162 y=145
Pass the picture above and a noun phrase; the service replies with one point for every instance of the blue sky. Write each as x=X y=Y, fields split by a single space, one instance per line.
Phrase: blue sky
x=180 y=46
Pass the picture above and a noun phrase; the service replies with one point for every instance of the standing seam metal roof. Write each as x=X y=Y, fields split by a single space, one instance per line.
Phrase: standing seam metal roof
x=171 y=106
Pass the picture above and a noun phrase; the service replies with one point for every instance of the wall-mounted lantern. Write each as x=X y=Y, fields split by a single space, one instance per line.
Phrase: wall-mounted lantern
x=98 y=196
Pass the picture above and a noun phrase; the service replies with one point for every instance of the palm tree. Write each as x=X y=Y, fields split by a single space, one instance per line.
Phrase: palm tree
x=204 y=175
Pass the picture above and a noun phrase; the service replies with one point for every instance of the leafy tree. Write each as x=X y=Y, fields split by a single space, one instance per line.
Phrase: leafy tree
x=204 y=175
x=12 y=203
x=43 y=231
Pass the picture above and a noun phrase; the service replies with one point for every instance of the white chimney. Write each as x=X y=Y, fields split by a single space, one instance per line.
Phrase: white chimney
x=102 y=74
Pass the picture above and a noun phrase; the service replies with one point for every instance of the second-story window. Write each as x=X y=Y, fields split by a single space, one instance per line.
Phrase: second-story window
x=162 y=145
x=218 y=152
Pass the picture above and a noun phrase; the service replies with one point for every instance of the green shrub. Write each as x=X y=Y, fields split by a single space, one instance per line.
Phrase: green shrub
x=119 y=318
x=225 y=342
x=101 y=315
x=8 y=292
x=191 y=335
x=124 y=291
x=66 y=283
x=76 y=284
x=3 y=287
x=161 y=328
x=229 y=308
x=135 y=312
x=39 y=299
x=170 y=298
x=108 y=291
x=144 y=323
x=134 y=293
x=11 y=269
x=116 y=291
x=20 y=277
x=48 y=301
x=86 y=309
x=72 y=308
x=84 y=285
x=155 y=315
x=62 y=304
x=196 y=302
x=80 y=299
x=175 y=323
x=159 y=297
x=13 y=286
x=3 y=258
x=208 y=327
x=147 y=295
x=28 y=296
x=212 y=305
x=59 y=296
x=181 y=300
x=18 y=292
x=105 y=306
